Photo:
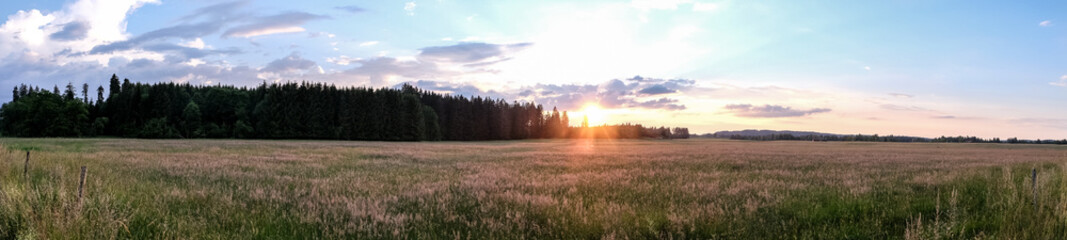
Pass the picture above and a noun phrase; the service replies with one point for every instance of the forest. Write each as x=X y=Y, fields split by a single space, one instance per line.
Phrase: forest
x=290 y=111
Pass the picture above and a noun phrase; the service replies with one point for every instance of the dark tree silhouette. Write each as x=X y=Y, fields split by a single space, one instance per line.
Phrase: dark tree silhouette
x=288 y=111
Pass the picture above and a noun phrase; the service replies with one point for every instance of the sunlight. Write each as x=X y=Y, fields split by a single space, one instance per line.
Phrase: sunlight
x=596 y=115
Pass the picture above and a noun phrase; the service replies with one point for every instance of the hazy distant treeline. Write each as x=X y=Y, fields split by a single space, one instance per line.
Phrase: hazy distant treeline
x=877 y=138
x=289 y=111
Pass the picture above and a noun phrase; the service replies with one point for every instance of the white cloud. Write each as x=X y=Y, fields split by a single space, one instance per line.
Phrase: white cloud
x=195 y=62
x=77 y=27
x=289 y=22
x=266 y=31
x=410 y=8
x=368 y=43
x=1046 y=23
x=868 y=68
x=342 y=60
x=1061 y=83
x=770 y=111
x=195 y=43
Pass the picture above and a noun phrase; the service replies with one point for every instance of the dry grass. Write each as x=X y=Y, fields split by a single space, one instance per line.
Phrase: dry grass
x=217 y=189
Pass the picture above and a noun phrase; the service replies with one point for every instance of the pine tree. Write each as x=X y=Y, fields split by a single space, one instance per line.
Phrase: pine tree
x=191 y=120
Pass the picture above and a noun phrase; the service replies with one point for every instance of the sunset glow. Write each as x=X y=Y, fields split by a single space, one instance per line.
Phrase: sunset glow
x=596 y=115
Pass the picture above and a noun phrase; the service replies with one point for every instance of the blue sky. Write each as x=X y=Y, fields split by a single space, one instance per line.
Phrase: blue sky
x=924 y=68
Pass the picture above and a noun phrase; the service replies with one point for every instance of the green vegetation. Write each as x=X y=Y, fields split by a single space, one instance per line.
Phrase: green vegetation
x=290 y=111
x=560 y=189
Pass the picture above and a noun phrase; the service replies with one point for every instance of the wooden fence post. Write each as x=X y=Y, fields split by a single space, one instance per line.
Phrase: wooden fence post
x=81 y=186
x=1033 y=183
x=26 y=167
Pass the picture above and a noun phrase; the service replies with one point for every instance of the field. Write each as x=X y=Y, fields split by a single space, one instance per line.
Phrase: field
x=565 y=189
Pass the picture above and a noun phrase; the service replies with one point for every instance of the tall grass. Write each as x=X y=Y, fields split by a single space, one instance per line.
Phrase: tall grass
x=211 y=189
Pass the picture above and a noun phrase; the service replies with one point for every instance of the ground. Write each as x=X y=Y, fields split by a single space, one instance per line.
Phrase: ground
x=546 y=189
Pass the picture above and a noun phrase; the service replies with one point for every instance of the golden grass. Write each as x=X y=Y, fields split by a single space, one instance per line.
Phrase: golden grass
x=220 y=189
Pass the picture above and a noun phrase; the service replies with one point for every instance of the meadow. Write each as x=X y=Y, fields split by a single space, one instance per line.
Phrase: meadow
x=540 y=189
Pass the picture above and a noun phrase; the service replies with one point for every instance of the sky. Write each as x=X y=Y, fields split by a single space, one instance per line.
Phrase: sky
x=918 y=68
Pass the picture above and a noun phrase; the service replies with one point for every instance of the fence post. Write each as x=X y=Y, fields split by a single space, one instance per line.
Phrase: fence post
x=1033 y=178
x=26 y=167
x=81 y=185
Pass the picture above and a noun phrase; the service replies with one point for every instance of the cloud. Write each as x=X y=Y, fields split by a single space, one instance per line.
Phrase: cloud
x=470 y=52
x=382 y=70
x=289 y=22
x=368 y=43
x=45 y=73
x=437 y=62
x=1061 y=83
x=770 y=111
x=342 y=60
x=182 y=53
x=656 y=90
x=901 y=95
x=72 y=31
x=613 y=93
x=319 y=34
x=184 y=31
x=351 y=9
x=662 y=103
x=1057 y=123
x=410 y=8
x=77 y=27
x=904 y=107
x=227 y=11
x=196 y=43
x=288 y=64
x=456 y=89
x=1046 y=23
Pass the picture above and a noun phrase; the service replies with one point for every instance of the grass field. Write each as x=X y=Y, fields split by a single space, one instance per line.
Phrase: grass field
x=220 y=189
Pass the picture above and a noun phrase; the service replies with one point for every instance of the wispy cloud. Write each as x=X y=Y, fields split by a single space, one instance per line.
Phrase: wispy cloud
x=904 y=107
x=901 y=95
x=470 y=52
x=290 y=63
x=342 y=60
x=410 y=8
x=615 y=93
x=656 y=90
x=1061 y=83
x=770 y=111
x=1046 y=23
x=368 y=43
x=289 y=22
x=351 y=9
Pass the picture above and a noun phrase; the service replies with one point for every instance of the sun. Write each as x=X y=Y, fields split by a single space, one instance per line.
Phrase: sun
x=594 y=114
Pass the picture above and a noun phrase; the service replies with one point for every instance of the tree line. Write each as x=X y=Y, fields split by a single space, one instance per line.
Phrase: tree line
x=290 y=111
x=885 y=138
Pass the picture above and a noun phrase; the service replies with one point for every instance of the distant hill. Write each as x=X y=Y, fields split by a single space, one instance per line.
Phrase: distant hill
x=765 y=133
x=772 y=135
